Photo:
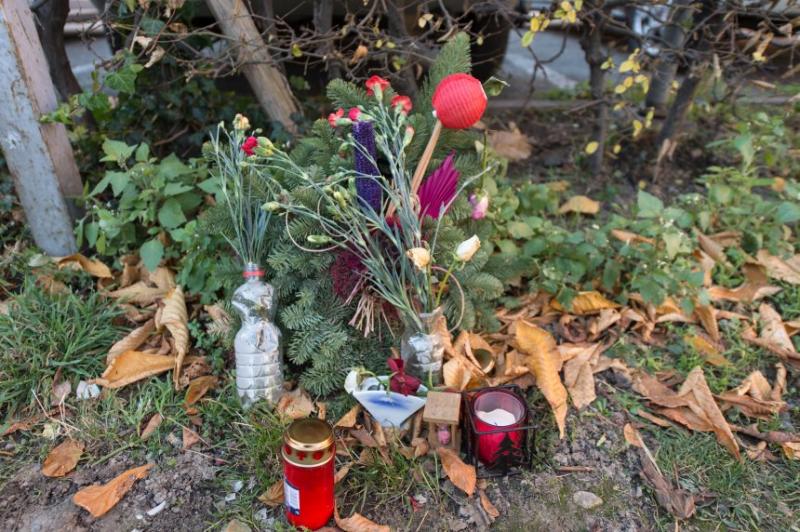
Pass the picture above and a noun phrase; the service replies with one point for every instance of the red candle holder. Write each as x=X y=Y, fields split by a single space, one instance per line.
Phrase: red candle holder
x=498 y=449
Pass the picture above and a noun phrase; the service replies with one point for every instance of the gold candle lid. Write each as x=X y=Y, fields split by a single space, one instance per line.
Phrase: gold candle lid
x=309 y=435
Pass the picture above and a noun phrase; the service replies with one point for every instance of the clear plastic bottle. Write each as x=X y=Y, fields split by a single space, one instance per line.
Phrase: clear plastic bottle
x=259 y=356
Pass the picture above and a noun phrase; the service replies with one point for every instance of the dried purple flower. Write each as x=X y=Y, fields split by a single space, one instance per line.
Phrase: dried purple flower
x=439 y=189
x=365 y=157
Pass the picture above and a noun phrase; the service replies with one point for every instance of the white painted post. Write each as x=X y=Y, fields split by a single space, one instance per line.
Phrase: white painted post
x=39 y=156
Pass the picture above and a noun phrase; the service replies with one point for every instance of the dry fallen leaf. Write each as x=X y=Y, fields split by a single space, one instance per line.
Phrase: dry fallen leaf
x=190 y=438
x=132 y=341
x=753 y=397
x=463 y=476
x=542 y=355
x=490 y=509
x=456 y=374
x=62 y=459
x=348 y=420
x=713 y=249
x=358 y=523
x=773 y=330
x=77 y=261
x=586 y=303
x=221 y=322
x=198 y=388
x=706 y=314
x=342 y=472
x=295 y=404
x=580 y=205
x=99 y=499
x=175 y=318
x=139 y=293
x=777 y=268
x=756 y=286
x=152 y=424
x=632 y=435
x=132 y=366
x=791 y=450
x=627 y=237
x=579 y=375
x=512 y=144
x=776 y=393
x=707 y=349
x=677 y=501
x=274 y=495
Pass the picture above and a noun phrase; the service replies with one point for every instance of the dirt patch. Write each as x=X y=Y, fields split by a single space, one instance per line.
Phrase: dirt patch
x=33 y=502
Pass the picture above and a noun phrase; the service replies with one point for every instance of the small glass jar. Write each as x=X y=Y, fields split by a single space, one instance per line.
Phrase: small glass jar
x=499 y=445
x=308 y=473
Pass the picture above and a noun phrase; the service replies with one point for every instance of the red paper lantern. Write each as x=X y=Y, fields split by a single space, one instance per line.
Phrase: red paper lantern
x=459 y=101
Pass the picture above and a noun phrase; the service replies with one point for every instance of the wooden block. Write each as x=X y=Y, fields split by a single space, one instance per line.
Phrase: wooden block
x=443 y=408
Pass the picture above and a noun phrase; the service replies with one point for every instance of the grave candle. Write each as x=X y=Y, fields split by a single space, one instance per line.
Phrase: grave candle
x=308 y=451
x=498 y=412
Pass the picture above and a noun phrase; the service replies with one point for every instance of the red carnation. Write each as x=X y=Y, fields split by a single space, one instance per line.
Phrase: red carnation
x=400 y=382
x=248 y=145
x=459 y=101
x=353 y=113
x=404 y=102
x=333 y=117
x=376 y=82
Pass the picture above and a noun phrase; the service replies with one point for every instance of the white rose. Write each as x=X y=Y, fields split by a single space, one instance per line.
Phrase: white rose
x=421 y=257
x=468 y=248
x=352 y=381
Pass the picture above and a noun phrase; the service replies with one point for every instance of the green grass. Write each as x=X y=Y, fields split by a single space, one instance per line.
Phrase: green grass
x=45 y=333
x=747 y=495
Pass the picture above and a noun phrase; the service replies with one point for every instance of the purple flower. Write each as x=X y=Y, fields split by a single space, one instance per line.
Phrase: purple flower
x=479 y=206
x=438 y=189
x=364 y=158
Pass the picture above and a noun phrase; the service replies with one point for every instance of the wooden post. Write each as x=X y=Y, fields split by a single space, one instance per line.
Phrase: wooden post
x=268 y=83
x=39 y=155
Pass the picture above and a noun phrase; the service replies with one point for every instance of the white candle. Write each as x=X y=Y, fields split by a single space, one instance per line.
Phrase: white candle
x=497 y=417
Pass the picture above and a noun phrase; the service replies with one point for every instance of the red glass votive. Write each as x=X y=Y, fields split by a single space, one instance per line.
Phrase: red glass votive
x=308 y=451
x=503 y=446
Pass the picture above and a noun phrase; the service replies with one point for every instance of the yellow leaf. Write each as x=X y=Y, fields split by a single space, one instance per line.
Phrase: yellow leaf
x=274 y=495
x=99 y=499
x=637 y=128
x=707 y=349
x=540 y=346
x=591 y=147
x=360 y=53
x=79 y=262
x=608 y=63
x=490 y=509
x=512 y=144
x=632 y=435
x=198 y=388
x=586 y=303
x=463 y=476
x=132 y=366
x=62 y=459
x=627 y=66
x=627 y=237
x=620 y=89
x=132 y=341
x=348 y=420
x=152 y=424
x=175 y=318
x=580 y=204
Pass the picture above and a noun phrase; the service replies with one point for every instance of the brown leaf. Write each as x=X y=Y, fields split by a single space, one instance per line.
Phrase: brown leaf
x=139 y=293
x=358 y=523
x=152 y=424
x=628 y=237
x=463 y=476
x=198 y=388
x=175 y=318
x=99 y=499
x=707 y=317
x=791 y=450
x=777 y=268
x=359 y=53
x=772 y=329
x=579 y=376
x=77 y=261
x=132 y=366
x=653 y=419
x=322 y=410
x=512 y=144
x=713 y=249
x=62 y=459
x=364 y=438
x=490 y=509
x=221 y=321
x=342 y=472
x=677 y=501
x=50 y=285
x=632 y=435
x=132 y=341
x=605 y=320
x=162 y=277
x=752 y=397
x=456 y=374
x=703 y=405
x=776 y=393
x=274 y=495
x=131 y=270
x=348 y=420
x=580 y=205
x=542 y=361
x=586 y=303
x=755 y=287
x=295 y=404
x=190 y=438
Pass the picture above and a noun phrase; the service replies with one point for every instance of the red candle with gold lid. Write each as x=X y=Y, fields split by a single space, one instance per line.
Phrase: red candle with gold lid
x=308 y=451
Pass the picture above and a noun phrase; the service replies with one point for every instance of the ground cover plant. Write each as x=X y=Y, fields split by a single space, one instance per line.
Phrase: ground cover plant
x=653 y=325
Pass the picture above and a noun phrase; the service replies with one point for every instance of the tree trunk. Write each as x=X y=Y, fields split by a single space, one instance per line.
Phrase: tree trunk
x=51 y=17
x=268 y=83
x=674 y=36
x=592 y=44
x=39 y=156
x=323 y=21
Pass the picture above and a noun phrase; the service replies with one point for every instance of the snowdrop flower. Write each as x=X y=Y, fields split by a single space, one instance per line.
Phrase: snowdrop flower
x=421 y=257
x=468 y=248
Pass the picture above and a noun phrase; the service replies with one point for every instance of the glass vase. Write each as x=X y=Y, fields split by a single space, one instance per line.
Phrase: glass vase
x=259 y=357
x=422 y=348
